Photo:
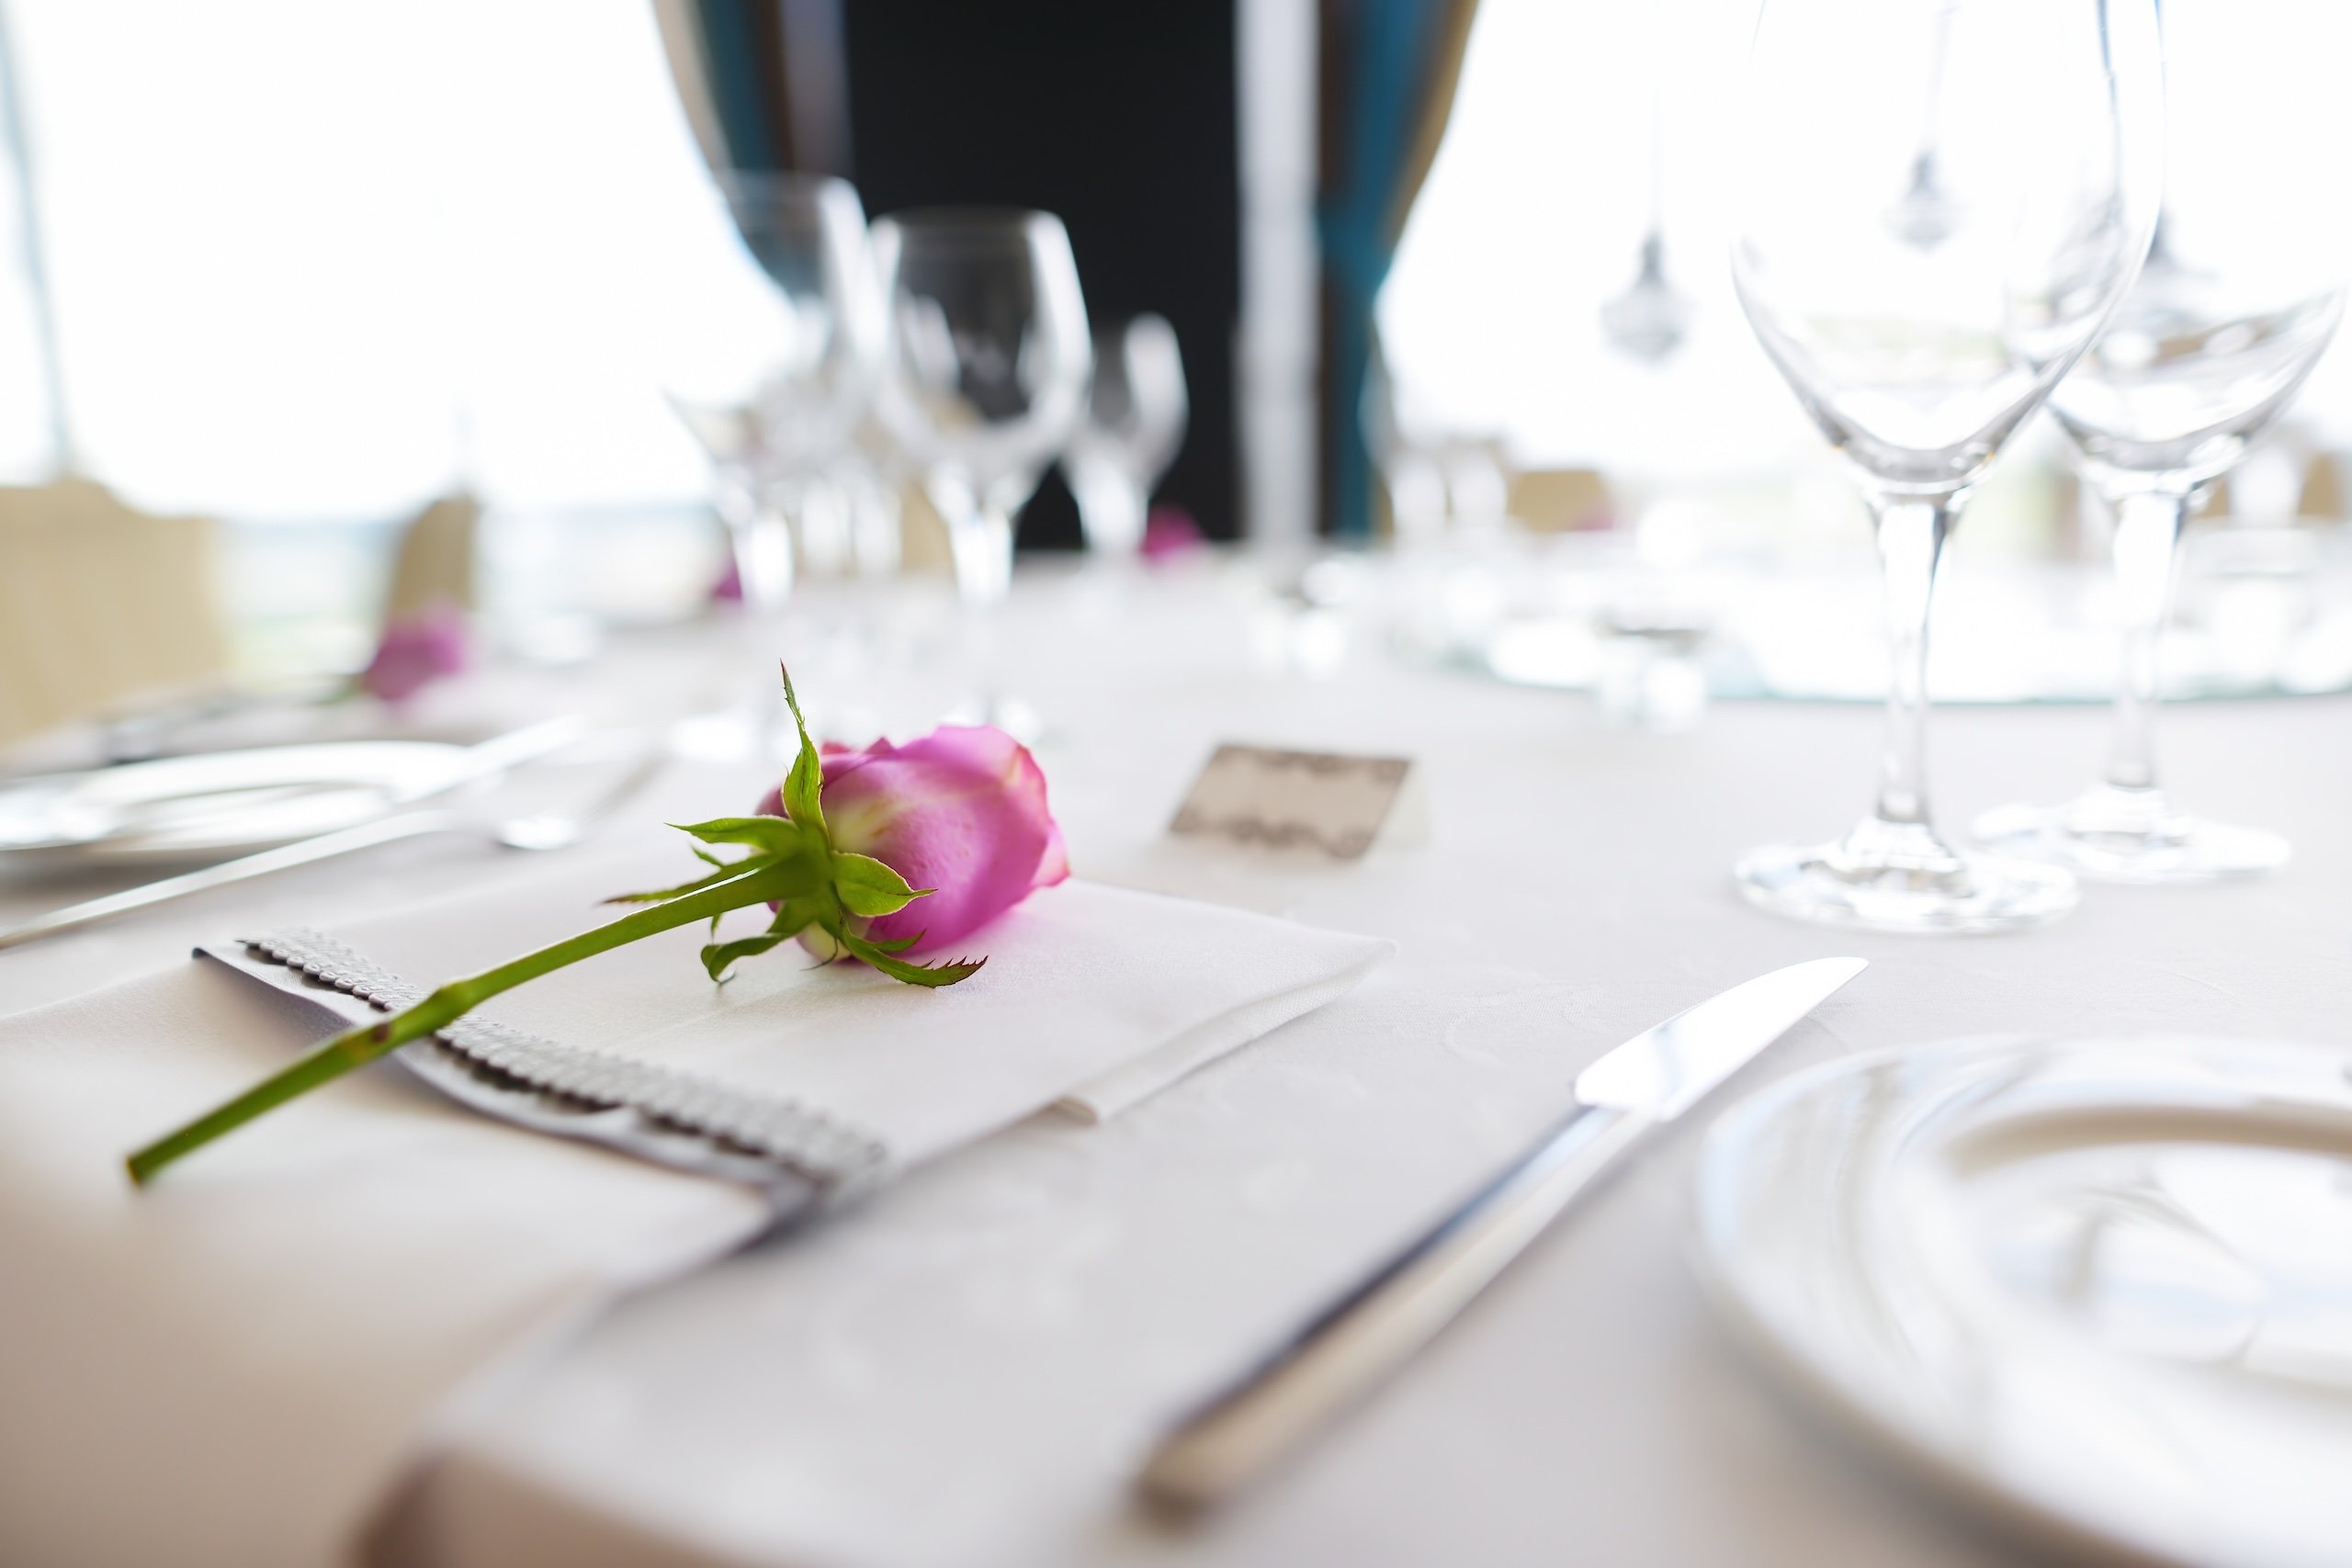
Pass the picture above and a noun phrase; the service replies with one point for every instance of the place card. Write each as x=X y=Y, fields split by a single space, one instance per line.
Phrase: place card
x=1322 y=801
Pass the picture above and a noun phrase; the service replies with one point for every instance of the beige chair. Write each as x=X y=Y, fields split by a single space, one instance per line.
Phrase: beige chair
x=1552 y=501
x=104 y=609
x=435 y=566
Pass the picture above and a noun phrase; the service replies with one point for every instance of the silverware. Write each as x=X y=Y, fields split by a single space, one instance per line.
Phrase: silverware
x=148 y=733
x=485 y=761
x=1374 y=1328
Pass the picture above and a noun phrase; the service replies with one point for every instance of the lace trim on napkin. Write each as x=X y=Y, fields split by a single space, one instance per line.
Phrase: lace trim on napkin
x=833 y=1154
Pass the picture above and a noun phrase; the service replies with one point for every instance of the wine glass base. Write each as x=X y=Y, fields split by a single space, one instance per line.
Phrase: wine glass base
x=2110 y=835
x=1944 y=893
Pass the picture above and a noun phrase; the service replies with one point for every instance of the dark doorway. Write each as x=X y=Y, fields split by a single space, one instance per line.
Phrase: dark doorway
x=1120 y=118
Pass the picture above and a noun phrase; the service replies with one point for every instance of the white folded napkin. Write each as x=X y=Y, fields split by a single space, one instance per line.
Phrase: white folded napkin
x=235 y=1366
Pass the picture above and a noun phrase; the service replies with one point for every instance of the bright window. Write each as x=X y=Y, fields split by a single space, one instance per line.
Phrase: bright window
x=325 y=261
x=1533 y=214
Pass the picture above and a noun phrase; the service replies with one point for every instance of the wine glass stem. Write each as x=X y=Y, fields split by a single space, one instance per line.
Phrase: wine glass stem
x=982 y=543
x=762 y=543
x=2147 y=526
x=1114 y=506
x=1911 y=533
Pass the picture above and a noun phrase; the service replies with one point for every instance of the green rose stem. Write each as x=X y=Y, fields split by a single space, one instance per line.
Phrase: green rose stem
x=790 y=865
x=356 y=1048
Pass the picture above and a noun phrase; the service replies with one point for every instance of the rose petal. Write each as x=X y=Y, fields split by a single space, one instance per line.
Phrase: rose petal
x=962 y=812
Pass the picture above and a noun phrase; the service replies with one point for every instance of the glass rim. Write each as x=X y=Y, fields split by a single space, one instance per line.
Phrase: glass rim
x=975 y=224
x=736 y=184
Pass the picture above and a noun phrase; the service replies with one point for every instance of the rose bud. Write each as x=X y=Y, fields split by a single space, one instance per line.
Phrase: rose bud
x=961 y=811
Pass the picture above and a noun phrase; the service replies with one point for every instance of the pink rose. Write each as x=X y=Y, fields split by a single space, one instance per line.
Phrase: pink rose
x=961 y=811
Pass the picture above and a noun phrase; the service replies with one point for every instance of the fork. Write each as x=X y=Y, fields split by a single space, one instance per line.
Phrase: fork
x=535 y=832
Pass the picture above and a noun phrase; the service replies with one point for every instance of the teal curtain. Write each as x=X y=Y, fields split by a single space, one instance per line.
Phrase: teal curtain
x=764 y=81
x=739 y=39
x=1389 y=72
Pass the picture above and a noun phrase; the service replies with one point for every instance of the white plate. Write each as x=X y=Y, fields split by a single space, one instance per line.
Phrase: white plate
x=2104 y=1285
x=218 y=803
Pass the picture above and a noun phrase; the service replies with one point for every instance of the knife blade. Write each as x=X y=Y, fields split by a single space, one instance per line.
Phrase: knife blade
x=1364 y=1336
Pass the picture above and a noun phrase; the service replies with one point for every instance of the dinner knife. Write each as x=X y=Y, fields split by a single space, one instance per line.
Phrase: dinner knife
x=1376 y=1326
x=479 y=761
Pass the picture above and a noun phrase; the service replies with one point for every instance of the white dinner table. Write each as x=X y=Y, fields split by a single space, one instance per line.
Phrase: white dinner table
x=965 y=1368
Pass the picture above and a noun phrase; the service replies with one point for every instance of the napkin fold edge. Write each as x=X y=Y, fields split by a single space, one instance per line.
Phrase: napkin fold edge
x=1101 y=1097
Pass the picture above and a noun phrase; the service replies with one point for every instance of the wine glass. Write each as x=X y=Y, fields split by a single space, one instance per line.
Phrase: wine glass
x=774 y=397
x=1917 y=361
x=1132 y=427
x=2241 y=294
x=987 y=371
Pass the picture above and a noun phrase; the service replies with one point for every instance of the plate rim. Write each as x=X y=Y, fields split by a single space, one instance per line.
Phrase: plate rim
x=133 y=848
x=1902 y=1445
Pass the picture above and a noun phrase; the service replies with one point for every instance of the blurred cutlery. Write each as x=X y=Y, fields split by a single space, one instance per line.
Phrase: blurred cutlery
x=540 y=830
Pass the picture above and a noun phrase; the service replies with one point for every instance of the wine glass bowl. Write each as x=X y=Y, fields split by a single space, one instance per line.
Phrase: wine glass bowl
x=1917 y=352
x=2186 y=379
x=1131 y=430
x=988 y=368
x=774 y=397
x=986 y=375
x=1917 y=360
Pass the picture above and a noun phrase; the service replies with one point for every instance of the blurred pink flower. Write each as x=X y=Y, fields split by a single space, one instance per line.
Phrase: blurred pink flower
x=961 y=811
x=417 y=649
x=728 y=588
x=1169 y=531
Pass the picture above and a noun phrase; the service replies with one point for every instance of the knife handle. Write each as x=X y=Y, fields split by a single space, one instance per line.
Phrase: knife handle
x=1359 y=1340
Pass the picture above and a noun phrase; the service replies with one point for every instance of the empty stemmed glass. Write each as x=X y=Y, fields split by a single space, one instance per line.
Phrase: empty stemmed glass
x=2240 y=296
x=1917 y=361
x=986 y=374
x=1130 y=430
x=774 y=397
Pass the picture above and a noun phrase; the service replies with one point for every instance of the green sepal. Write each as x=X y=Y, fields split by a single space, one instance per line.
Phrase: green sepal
x=790 y=920
x=900 y=969
x=774 y=834
x=804 y=785
x=868 y=887
x=718 y=955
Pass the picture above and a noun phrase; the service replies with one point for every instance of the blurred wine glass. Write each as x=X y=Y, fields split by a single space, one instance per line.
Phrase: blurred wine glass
x=1925 y=214
x=1131 y=430
x=2241 y=295
x=1398 y=441
x=775 y=400
x=874 y=472
x=987 y=372
x=1917 y=361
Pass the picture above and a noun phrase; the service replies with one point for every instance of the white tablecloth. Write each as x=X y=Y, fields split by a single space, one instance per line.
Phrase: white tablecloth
x=961 y=1371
